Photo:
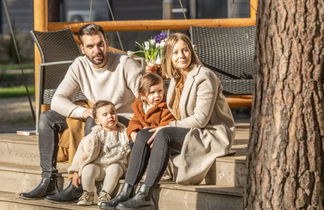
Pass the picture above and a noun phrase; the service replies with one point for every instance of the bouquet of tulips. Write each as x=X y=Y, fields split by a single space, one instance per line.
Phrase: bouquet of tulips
x=152 y=49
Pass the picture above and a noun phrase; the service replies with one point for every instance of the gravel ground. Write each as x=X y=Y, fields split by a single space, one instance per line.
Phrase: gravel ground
x=15 y=114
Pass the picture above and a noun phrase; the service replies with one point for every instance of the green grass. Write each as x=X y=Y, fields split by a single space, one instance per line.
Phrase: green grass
x=13 y=75
x=10 y=92
x=17 y=66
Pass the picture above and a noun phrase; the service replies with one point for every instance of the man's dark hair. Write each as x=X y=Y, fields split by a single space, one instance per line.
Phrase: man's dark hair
x=90 y=29
x=99 y=104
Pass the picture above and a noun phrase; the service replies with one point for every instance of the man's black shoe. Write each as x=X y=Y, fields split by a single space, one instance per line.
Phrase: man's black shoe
x=45 y=187
x=69 y=194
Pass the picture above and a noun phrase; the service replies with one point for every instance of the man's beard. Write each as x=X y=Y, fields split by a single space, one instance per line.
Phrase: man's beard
x=96 y=62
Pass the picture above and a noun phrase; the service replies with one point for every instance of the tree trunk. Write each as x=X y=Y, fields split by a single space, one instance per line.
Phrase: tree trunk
x=286 y=151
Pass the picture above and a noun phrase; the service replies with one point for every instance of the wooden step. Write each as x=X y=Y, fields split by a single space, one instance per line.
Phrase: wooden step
x=174 y=196
x=17 y=149
x=21 y=178
x=10 y=201
x=19 y=164
x=167 y=196
x=20 y=172
x=230 y=170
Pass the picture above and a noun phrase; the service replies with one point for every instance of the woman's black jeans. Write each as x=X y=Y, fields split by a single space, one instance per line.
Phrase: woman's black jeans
x=168 y=140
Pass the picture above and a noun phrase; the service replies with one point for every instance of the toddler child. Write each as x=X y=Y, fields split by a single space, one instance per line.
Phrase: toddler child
x=150 y=109
x=101 y=155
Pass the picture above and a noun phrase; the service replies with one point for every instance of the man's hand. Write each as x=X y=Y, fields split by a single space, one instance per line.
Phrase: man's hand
x=133 y=136
x=76 y=181
x=87 y=113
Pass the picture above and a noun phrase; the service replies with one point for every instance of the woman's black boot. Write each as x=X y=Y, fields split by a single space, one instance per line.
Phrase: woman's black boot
x=142 y=200
x=126 y=193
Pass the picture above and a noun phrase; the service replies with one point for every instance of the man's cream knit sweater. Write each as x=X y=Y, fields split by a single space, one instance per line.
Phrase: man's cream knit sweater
x=116 y=82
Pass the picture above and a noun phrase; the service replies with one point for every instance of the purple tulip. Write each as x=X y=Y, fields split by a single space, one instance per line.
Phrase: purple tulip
x=161 y=36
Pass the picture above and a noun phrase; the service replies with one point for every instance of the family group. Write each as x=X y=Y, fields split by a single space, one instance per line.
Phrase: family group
x=132 y=124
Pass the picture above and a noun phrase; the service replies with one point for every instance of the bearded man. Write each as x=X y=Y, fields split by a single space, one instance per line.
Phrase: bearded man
x=100 y=75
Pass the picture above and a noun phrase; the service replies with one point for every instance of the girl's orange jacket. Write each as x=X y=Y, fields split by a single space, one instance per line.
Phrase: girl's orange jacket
x=159 y=115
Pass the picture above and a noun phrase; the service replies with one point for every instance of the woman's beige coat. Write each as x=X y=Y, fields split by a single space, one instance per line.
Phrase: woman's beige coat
x=203 y=109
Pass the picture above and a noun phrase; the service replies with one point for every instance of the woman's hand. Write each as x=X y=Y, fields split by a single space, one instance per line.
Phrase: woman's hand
x=76 y=181
x=155 y=130
x=133 y=135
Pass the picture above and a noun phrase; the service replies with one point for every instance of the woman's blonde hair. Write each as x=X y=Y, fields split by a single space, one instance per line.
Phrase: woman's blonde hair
x=147 y=81
x=167 y=67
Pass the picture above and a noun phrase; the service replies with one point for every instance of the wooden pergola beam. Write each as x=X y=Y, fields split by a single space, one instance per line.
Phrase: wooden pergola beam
x=152 y=25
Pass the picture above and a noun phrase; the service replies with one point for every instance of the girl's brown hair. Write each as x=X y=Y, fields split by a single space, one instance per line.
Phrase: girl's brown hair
x=99 y=104
x=147 y=81
x=167 y=67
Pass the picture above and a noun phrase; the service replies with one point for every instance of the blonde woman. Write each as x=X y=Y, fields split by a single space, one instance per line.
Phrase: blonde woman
x=202 y=131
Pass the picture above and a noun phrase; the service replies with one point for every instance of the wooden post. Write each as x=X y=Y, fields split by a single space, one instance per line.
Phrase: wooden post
x=253 y=8
x=40 y=24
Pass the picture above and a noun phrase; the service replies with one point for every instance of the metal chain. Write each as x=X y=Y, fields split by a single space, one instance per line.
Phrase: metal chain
x=90 y=10
x=113 y=18
x=183 y=13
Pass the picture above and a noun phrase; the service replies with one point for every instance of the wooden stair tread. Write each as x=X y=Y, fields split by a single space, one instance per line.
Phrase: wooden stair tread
x=202 y=188
x=14 y=198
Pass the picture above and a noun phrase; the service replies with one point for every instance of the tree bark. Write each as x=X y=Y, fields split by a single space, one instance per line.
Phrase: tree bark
x=286 y=151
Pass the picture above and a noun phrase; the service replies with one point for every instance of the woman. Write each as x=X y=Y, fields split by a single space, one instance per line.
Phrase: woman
x=202 y=131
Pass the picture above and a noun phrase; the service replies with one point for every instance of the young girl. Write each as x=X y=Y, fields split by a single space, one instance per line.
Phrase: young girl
x=101 y=155
x=150 y=109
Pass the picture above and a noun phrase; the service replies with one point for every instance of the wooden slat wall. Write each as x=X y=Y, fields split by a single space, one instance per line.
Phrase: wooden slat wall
x=137 y=10
x=18 y=11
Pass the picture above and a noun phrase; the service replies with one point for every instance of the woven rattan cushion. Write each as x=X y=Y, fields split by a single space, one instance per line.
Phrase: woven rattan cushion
x=55 y=46
x=230 y=52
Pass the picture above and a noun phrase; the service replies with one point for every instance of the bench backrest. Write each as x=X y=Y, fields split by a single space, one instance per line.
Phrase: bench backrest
x=58 y=50
x=230 y=53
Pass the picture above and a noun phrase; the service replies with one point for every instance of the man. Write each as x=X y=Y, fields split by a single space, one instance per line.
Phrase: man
x=100 y=75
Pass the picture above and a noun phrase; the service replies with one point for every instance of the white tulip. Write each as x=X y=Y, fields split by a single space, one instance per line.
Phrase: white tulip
x=158 y=45
x=146 y=45
x=158 y=60
x=162 y=44
x=130 y=53
x=152 y=42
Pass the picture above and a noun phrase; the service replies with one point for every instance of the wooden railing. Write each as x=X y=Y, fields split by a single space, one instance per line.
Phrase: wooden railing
x=151 y=25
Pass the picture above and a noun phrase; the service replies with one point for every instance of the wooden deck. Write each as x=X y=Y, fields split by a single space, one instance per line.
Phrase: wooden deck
x=20 y=172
